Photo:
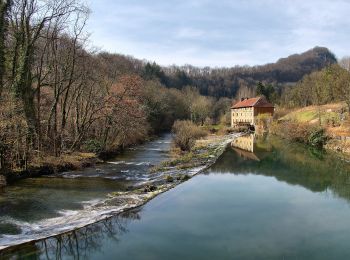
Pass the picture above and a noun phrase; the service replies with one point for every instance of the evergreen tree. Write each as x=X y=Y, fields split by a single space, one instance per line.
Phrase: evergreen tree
x=260 y=89
x=153 y=72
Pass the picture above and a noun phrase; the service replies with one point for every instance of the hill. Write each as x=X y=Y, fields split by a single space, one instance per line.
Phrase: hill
x=240 y=81
x=294 y=67
x=235 y=82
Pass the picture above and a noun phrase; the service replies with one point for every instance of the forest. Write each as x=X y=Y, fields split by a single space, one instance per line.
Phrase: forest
x=58 y=96
x=241 y=81
x=331 y=84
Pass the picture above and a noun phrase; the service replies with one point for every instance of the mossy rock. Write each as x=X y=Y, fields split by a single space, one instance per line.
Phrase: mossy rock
x=169 y=178
x=149 y=188
x=182 y=177
x=185 y=177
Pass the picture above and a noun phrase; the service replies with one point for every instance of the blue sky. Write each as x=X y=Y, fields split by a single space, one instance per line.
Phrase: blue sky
x=219 y=32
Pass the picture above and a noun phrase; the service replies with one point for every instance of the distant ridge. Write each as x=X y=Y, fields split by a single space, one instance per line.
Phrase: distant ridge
x=238 y=81
x=294 y=67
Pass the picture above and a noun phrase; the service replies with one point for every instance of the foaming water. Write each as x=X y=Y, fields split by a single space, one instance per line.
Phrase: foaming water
x=93 y=211
x=132 y=163
x=33 y=209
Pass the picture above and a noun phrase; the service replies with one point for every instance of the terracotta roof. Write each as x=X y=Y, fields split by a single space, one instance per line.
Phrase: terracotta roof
x=253 y=102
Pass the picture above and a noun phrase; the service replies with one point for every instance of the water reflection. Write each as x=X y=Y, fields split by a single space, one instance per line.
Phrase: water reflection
x=296 y=164
x=78 y=244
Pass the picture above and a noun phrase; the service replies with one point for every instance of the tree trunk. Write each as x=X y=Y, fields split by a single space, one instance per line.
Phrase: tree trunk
x=4 y=8
x=24 y=90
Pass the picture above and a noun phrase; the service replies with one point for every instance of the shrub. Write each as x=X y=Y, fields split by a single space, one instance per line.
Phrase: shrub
x=263 y=121
x=225 y=130
x=300 y=132
x=225 y=119
x=14 y=135
x=332 y=119
x=185 y=134
x=317 y=137
x=93 y=146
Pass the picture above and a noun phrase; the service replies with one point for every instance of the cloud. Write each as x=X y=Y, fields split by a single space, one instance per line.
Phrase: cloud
x=219 y=33
x=189 y=33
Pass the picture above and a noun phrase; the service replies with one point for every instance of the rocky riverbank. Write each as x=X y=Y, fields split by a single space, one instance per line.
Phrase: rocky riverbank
x=174 y=171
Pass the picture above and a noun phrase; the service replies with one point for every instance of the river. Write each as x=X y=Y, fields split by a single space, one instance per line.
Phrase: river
x=40 y=207
x=263 y=199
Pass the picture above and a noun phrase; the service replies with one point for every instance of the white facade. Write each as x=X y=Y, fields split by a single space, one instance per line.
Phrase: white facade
x=243 y=115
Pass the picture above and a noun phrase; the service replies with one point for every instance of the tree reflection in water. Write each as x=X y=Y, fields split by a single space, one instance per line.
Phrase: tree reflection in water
x=77 y=244
x=295 y=164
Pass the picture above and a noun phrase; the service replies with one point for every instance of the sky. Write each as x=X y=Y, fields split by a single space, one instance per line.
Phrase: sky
x=218 y=33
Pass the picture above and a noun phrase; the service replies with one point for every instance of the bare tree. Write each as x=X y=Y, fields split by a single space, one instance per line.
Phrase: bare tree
x=345 y=63
x=29 y=19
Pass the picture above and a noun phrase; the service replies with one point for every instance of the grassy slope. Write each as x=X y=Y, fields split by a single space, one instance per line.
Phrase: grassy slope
x=336 y=123
x=331 y=118
x=310 y=114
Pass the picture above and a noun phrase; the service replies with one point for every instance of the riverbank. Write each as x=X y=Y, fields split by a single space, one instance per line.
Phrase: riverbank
x=326 y=126
x=132 y=194
x=51 y=165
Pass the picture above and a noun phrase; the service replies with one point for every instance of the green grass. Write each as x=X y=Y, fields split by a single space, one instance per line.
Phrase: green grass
x=310 y=115
x=301 y=116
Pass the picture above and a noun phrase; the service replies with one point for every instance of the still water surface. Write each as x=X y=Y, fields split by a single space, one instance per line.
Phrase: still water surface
x=269 y=200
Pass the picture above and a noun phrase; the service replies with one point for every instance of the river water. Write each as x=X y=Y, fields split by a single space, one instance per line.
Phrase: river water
x=263 y=199
x=39 y=207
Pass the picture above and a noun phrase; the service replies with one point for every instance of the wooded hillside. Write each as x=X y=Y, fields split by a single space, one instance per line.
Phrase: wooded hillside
x=241 y=81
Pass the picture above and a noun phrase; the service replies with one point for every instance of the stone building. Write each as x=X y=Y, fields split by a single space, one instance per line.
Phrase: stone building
x=247 y=110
